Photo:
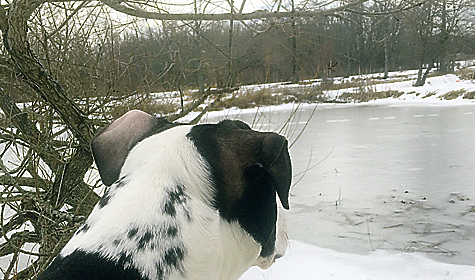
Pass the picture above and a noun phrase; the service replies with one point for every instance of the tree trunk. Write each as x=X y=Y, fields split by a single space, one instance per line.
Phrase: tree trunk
x=197 y=41
x=443 y=51
x=16 y=43
x=422 y=76
x=230 y=64
x=386 y=60
x=295 y=74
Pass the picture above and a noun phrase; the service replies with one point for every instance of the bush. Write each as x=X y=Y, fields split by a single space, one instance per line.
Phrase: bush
x=465 y=73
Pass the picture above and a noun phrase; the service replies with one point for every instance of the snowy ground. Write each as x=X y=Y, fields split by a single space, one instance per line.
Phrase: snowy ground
x=307 y=262
x=432 y=93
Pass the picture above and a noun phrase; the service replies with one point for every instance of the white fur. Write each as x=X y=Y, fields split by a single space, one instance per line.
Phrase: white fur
x=154 y=167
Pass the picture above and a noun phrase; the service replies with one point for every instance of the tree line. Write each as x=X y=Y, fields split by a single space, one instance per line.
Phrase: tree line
x=431 y=35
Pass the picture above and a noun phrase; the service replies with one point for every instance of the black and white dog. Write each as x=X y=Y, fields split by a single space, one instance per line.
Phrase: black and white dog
x=184 y=202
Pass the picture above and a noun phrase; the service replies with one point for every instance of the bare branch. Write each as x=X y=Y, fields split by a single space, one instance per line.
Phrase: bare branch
x=16 y=42
x=388 y=12
x=225 y=16
x=200 y=101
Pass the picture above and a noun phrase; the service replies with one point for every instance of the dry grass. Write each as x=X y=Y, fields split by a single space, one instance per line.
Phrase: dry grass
x=430 y=93
x=251 y=98
x=465 y=73
x=469 y=95
x=359 y=89
x=367 y=94
x=146 y=103
x=313 y=94
x=453 y=94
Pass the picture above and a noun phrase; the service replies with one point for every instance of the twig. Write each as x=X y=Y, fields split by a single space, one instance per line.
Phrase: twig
x=369 y=234
x=198 y=118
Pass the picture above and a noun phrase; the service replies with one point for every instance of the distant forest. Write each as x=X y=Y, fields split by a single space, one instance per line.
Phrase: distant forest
x=91 y=53
x=430 y=35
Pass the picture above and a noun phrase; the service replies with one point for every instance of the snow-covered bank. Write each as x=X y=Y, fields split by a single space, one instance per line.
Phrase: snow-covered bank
x=433 y=93
x=308 y=262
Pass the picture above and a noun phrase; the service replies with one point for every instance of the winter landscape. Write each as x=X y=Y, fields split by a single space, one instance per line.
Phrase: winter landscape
x=383 y=188
x=383 y=156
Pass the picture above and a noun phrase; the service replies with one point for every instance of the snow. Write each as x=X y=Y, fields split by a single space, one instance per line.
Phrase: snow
x=431 y=94
x=307 y=262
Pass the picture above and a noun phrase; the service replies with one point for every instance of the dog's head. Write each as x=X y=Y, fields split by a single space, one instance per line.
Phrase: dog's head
x=249 y=171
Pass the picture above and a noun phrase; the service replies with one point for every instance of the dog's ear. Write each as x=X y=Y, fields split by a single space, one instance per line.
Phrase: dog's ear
x=112 y=145
x=276 y=160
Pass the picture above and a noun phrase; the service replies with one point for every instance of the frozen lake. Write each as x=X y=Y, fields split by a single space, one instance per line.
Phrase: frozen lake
x=397 y=178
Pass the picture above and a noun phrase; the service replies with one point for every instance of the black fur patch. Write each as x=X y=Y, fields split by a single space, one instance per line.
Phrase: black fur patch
x=169 y=208
x=145 y=240
x=83 y=228
x=174 y=198
x=257 y=210
x=160 y=270
x=170 y=232
x=105 y=199
x=206 y=138
x=132 y=232
x=252 y=202
x=108 y=194
x=125 y=259
x=174 y=257
x=81 y=265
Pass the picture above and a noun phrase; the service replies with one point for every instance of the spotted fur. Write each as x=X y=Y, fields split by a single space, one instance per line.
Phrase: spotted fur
x=184 y=202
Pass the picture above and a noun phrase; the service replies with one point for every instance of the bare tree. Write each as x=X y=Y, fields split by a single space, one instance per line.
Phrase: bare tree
x=436 y=23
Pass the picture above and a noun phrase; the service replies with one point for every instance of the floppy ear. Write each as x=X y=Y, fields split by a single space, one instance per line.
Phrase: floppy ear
x=276 y=160
x=112 y=145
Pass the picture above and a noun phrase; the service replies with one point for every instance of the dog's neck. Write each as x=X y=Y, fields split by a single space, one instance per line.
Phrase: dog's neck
x=163 y=225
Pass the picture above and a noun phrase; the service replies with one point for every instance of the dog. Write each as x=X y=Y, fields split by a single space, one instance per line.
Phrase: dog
x=183 y=202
